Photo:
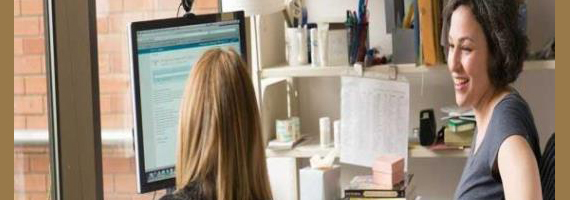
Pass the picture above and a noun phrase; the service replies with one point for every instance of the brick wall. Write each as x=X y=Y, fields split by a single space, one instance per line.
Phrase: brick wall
x=31 y=173
x=112 y=19
x=31 y=162
x=32 y=180
x=29 y=65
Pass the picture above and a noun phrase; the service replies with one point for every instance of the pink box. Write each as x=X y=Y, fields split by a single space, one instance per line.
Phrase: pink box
x=389 y=164
x=387 y=180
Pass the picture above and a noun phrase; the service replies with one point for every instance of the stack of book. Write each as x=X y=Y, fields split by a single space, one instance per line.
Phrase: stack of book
x=459 y=132
x=364 y=188
x=460 y=126
x=388 y=181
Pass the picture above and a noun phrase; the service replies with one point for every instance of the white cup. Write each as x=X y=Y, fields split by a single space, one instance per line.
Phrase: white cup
x=296 y=46
x=315 y=62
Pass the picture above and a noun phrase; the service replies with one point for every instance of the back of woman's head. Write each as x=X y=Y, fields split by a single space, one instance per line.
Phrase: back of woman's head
x=219 y=141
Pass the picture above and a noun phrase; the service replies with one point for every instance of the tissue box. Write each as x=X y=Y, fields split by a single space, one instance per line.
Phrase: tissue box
x=320 y=184
x=389 y=164
x=387 y=180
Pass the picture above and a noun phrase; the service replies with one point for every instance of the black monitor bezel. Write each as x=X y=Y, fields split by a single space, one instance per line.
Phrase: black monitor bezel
x=142 y=185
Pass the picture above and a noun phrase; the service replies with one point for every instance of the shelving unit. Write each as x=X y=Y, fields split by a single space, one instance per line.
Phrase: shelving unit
x=311 y=147
x=336 y=71
x=283 y=91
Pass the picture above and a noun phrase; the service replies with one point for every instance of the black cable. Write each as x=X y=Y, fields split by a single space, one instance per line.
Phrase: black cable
x=178 y=10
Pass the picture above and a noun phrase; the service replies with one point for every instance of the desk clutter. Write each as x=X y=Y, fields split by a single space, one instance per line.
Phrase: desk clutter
x=320 y=181
x=388 y=180
x=415 y=28
x=363 y=187
x=288 y=134
x=329 y=43
x=457 y=133
x=460 y=127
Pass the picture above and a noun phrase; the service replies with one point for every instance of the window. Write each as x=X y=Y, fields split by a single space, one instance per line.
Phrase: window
x=31 y=149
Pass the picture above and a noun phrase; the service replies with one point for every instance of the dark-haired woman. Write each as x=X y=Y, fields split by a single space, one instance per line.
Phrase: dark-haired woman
x=486 y=50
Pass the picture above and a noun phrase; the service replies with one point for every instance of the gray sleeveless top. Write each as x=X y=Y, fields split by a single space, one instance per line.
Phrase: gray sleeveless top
x=481 y=178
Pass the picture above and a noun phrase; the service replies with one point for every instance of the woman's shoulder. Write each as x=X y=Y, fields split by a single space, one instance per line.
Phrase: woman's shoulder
x=511 y=109
x=512 y=115
x=191 y=192
x=513 y=103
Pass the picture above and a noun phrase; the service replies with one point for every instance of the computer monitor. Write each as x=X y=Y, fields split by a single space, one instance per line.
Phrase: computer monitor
x=162 y=54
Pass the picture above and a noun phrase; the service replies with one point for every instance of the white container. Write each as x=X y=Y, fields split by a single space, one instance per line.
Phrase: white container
x=325 y=131
x=313 y=33
x=323 y=40
x=337 y=48
x=283 y=130
x=336 y=130
x=319 y=184
x=296 y=46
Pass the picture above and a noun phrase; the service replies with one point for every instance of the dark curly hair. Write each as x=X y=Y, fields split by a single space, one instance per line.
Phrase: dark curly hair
x=506 y=41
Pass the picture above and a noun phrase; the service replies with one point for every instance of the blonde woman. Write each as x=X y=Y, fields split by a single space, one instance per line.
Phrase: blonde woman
x=220 y=154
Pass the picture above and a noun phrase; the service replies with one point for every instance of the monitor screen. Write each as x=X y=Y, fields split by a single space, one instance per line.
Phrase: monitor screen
x=163 y=53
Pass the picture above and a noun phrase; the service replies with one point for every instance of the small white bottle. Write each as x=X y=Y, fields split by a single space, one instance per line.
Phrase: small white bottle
x=302 y=56
x=325 y=131
x=336 y=131
x=313 y=33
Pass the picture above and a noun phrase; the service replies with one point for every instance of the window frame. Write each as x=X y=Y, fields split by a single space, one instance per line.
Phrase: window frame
x=73 y=99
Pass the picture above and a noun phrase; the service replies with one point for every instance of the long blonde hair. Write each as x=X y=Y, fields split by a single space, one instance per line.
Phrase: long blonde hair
x=219 y=139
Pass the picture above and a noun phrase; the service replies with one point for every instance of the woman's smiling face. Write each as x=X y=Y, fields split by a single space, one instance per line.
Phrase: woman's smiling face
x=468 y=58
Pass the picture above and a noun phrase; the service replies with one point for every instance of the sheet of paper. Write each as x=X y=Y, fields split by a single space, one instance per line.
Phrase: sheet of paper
x=374 y=119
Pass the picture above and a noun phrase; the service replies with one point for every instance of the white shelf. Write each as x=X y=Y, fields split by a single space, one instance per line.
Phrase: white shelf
x=310 y=147
x=305 y=149
x=309 y=71
x=334 y=71
x=418 y=151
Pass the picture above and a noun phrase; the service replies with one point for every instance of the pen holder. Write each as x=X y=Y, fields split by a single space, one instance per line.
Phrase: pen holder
x=296 y=46
x=358 y=42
